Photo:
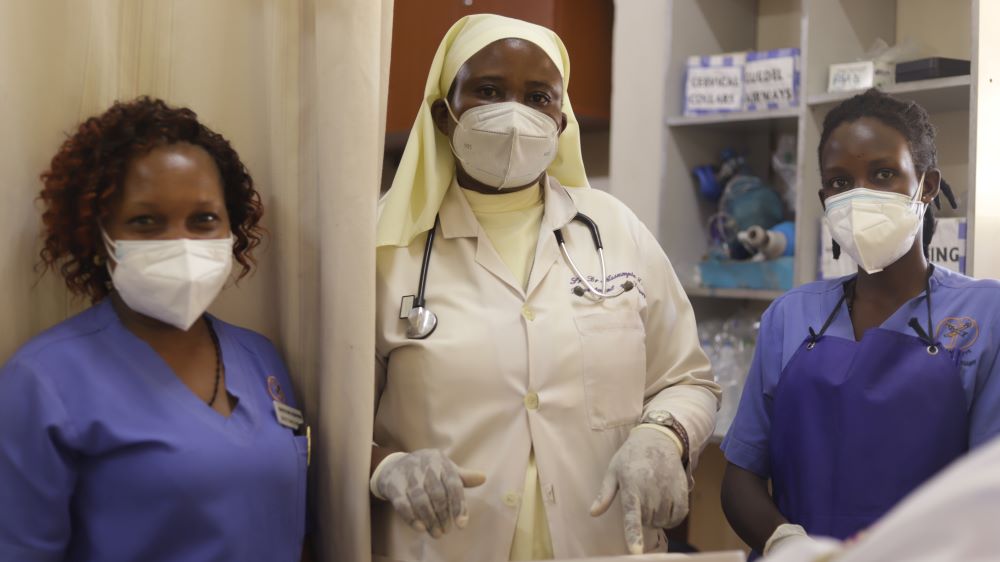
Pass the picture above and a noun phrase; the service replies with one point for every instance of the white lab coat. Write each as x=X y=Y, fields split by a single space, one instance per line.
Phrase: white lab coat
x=508 y=368
x=952 y=517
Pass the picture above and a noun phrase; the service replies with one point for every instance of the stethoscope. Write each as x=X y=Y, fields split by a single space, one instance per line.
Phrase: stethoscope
x=422 y=321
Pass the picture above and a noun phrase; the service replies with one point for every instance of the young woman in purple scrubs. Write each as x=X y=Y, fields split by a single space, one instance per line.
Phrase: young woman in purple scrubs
x=864 y=387
x=143 y=428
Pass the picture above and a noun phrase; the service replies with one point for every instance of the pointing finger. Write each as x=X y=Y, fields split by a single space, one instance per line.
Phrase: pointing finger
x=609 y=486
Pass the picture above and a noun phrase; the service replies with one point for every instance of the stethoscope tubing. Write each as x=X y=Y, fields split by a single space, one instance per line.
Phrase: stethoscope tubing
x=418 y=301
x=595 y=294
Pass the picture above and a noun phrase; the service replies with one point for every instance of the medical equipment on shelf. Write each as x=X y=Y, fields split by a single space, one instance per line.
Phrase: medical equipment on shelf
x=422 y=321
x=769 y=244
x=744 y=200
x=712 y=179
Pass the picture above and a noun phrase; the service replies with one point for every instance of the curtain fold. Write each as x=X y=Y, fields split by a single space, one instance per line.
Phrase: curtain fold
x=351 y=73
x=299 y=87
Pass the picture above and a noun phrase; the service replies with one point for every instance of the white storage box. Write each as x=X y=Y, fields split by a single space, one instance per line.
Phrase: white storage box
x=771 y=80
x=862 y=75
x=714 y=84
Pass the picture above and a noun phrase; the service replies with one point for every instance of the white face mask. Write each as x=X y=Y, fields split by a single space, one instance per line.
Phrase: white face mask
x=173 y=281
x=875 y=227
x=504 y=144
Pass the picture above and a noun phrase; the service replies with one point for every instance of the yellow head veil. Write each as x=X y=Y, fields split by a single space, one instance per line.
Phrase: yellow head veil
x=427 y=166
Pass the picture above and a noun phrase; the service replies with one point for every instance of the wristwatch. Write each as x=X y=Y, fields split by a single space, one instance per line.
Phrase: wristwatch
x=665 y=419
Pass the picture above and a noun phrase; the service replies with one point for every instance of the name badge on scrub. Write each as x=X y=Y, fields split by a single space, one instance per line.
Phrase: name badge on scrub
x=288 y=416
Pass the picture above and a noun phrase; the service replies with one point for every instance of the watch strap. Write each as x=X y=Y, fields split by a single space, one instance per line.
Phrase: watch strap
x=677 y=429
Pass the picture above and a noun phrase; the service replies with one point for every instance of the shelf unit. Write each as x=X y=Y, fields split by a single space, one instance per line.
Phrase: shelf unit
x=738 y=294
x=939 y=94
x=826 y=32
x=730 y=120
x=654 y=146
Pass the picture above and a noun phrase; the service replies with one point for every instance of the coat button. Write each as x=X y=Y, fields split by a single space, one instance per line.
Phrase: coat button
x=528 y=314
x=531 y=401
x=511 y=499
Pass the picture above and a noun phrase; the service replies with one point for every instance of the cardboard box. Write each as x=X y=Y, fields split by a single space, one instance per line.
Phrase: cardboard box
x=771 y=80
x=947 y=250
x=714 y=84
x=850 y=76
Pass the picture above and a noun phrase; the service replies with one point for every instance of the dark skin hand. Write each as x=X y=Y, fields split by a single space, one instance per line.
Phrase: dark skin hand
x=174 y=191
x=505 y=70
x=870 y=154
x=748 y=506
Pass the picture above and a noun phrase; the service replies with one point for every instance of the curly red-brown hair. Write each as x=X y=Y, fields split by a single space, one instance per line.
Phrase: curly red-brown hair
x=90 y=166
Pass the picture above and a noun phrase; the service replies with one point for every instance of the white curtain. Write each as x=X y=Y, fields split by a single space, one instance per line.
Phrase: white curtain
x=299 y=87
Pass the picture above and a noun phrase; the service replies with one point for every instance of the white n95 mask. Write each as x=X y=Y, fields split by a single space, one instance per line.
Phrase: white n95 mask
x=173 y=281
x=875 y=227
x=504 y=144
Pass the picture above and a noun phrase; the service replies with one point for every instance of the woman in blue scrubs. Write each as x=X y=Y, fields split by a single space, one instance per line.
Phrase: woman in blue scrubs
x=864 y=387
x=143 y=428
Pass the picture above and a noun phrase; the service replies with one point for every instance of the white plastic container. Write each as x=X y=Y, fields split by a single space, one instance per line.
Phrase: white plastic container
x=850 y=76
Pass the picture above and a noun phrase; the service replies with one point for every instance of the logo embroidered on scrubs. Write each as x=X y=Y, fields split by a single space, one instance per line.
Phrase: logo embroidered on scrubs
x=958 y=332
x=274 y=389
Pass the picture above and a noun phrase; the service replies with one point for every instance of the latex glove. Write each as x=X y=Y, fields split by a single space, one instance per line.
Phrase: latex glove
x=804 y=548
x=784 y=536
x=648 y=473
x=427 y=490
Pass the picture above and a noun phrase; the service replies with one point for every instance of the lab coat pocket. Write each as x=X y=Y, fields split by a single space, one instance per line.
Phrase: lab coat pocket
x=613 y=357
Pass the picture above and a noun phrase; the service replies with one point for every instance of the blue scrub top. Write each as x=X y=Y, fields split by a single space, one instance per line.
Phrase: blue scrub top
x=105 y=455
x=966 y=314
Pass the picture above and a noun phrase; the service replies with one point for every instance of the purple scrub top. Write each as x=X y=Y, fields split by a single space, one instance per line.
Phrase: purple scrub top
x=966 y=314
x=106 y=455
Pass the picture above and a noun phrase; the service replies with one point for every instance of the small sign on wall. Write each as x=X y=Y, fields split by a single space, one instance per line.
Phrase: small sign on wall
x=947 y=250
x=714 y=84
x=771 y=80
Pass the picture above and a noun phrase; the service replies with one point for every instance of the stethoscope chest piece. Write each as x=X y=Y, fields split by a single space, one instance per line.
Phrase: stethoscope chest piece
x=421 y=323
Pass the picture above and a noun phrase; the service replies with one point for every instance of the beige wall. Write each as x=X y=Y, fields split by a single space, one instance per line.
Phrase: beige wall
x=639 y=49
x=949 y=37
x=778 y=24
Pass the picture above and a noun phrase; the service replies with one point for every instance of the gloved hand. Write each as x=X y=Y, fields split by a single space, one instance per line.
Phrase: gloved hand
x=648 y=472
x=426 y=489
x=784 y=536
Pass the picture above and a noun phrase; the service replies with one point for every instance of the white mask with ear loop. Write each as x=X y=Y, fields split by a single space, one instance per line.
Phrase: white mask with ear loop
x=875 y=228
x=505 y=144
x=173 y=281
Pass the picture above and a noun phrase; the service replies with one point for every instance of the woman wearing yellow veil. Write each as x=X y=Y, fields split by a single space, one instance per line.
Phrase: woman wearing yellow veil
x=533 y=332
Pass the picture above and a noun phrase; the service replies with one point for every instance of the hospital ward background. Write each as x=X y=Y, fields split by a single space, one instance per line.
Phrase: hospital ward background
x=702 y=116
